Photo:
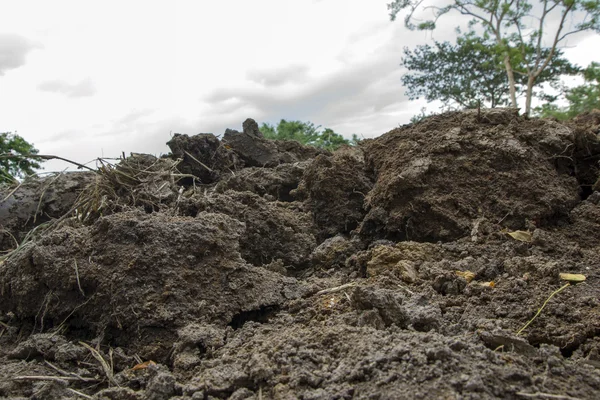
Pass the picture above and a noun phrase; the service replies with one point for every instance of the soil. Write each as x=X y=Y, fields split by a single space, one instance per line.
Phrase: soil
x=413 y=265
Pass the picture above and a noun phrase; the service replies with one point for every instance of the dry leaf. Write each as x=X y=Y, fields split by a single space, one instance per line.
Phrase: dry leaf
x=572 y=277
x=523 y=236
x=468 y=275
x=143 y=365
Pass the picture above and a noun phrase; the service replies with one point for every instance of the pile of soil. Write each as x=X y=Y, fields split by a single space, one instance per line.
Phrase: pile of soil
x=413 y=265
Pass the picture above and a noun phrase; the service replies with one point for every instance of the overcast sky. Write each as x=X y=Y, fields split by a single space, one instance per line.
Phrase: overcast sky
x=84 y=79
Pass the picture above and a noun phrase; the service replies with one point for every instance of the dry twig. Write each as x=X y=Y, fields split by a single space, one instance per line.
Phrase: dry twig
x=105 y=367
x=11 y=236
x=546 y=396
x=12 y=192
x=198 y=161
x=542 y=307
x=63 y=379
x=77 y=276
x=45 y=157
x=69 y=374
x=85 y=396
x=336 y=289
x=37 y=210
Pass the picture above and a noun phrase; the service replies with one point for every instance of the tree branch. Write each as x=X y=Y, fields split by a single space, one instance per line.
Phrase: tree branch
x=45 y=157
x=523 y=50
x=572 y=32
x=538 y=54
x=462 y=8
x=557 y=38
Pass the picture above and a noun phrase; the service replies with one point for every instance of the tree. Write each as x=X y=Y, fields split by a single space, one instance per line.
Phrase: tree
x=303 y=132
x=461 y=74
x=468 y=73
x=516 y=27
x=12 y=167
x=306 y=133
x=580 y=99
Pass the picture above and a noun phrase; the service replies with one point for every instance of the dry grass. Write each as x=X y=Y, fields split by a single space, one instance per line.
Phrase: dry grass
x=108 y=369
x=137 y=181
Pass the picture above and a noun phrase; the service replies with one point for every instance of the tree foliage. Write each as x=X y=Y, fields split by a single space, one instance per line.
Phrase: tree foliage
x=10 y=168
x=517 y=27
x=580 y=99
x=469 y=72
x=462 y=74
x=306 y=133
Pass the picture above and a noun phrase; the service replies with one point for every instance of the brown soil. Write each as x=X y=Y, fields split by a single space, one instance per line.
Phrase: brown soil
x=247 y=269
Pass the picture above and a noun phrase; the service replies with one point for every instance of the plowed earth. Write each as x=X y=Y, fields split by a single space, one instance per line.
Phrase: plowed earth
x=242 y=268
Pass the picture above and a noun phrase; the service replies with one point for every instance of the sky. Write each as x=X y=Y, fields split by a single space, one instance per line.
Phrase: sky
x=82 y=79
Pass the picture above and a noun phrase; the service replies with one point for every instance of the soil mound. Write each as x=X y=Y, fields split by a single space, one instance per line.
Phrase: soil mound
x=334 y=189
x=128 y=276
x=435 y=178
x=273 y=230
x=37 y=201
x=426 y=263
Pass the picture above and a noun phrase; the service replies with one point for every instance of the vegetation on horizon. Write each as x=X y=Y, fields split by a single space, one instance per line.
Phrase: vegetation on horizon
x=13 y=167
x=515 y=28
x=579 y=99
x=469 y=73
x=306 y=133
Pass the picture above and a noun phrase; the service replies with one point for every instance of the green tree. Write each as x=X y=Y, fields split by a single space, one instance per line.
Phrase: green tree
x=516 y=27
x=467 y=73
x=303 y=132
x=462 y=74
x=20 y=166
x=306 y=133
x=580 y=99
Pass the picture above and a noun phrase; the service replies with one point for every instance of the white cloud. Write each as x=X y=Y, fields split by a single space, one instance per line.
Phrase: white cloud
x=364 y=86
x=294 y=73
x=83 y=88
x=130 y=73
x=13 y=51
